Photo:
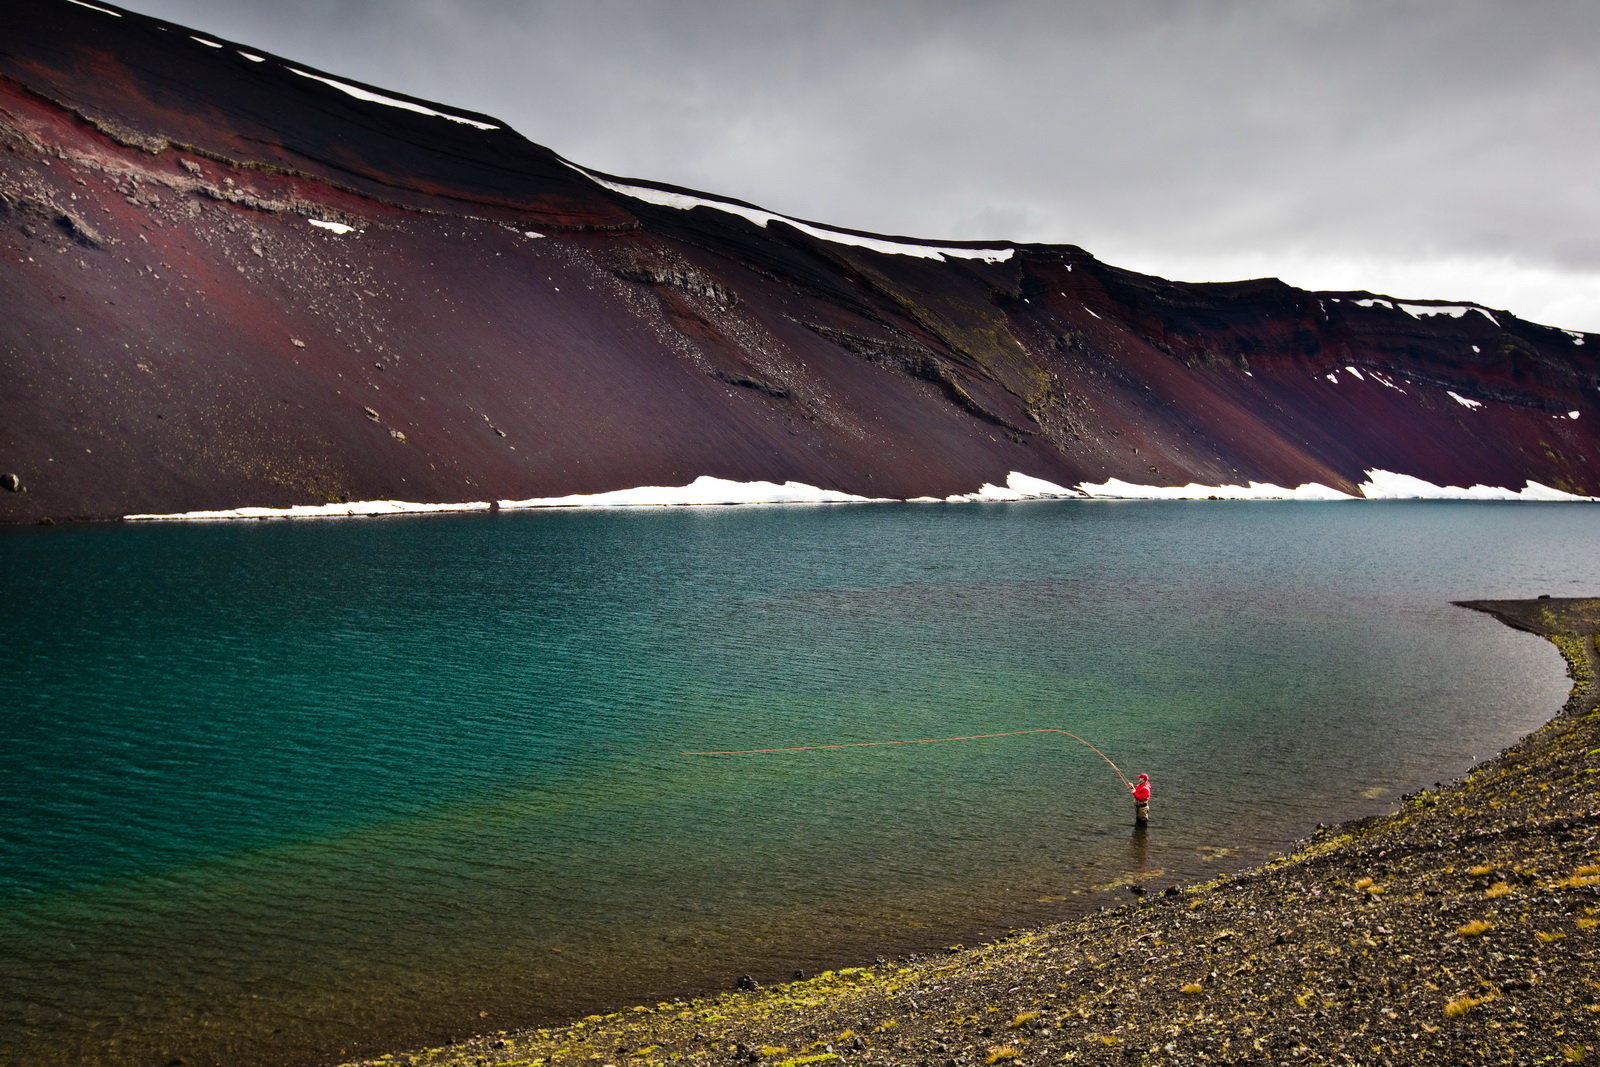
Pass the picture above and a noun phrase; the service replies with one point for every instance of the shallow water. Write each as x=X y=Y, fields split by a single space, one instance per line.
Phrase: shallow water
x=285 y=792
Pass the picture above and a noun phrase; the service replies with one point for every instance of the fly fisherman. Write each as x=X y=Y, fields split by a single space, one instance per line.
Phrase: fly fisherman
x=1141 y=801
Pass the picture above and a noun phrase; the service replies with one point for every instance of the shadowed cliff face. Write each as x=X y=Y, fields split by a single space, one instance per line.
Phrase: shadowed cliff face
x=230 y=280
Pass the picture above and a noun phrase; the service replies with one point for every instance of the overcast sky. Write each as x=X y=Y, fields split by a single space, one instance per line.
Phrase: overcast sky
x=1421 y=148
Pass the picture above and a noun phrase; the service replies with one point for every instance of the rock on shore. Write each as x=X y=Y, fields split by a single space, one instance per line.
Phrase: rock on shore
x=1462 y=928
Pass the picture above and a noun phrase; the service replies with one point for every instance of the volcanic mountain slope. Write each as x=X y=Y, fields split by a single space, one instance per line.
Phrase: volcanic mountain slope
x=232 y=280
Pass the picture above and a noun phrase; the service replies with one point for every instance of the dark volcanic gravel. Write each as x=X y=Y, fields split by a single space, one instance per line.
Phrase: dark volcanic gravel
x=1460 y=929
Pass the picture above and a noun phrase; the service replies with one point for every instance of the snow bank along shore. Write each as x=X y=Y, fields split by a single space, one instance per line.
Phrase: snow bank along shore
x=708 y=491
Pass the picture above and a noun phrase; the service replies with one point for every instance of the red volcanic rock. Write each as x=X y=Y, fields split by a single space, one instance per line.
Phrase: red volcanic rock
x=228 y=279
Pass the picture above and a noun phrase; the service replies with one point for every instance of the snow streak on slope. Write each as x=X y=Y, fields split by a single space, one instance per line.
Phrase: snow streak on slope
x=1418 y=310
x=378 y=98
x=686 y=202
x=97 y=7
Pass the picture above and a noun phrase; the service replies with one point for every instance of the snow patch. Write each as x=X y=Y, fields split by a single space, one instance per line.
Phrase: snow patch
x=378 y=98
x=1387 y=485
x=1117 y=489
x=336 y=227
x=708 y=491
x=1577 y=338
x=1572 y=414
x=1418 y=311
x=1018 y=486
x=1455 y=311
x=704 y=490
x=314 y=511
x=208 y=44
x=686 y=202
x=1359 y=376
x=1466 y=402
x=532 y=233
x=254 y=58
x=1380 y=485
x=97 y=7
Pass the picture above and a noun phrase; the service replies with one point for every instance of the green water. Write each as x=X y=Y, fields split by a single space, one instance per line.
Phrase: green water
x=287 y=792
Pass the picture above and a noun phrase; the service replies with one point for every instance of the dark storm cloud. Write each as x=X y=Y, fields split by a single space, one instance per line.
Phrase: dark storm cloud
x=1449 y=143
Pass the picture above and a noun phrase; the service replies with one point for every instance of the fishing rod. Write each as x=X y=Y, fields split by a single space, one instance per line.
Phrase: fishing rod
x=918 y=741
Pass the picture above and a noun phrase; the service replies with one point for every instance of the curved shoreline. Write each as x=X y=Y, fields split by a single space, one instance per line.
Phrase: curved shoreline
x=1462 y=927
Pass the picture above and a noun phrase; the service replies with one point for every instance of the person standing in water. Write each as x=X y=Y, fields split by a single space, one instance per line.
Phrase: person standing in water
x=1141 y=801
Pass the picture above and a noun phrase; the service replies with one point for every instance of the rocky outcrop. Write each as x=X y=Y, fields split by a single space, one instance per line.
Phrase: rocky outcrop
x=215 y=261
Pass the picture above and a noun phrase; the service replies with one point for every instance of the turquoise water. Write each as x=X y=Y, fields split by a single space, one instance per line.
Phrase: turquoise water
x=287 y=792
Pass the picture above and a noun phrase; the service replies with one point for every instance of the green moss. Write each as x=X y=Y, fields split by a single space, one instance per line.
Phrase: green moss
x=976 y=331
x=1575 y=650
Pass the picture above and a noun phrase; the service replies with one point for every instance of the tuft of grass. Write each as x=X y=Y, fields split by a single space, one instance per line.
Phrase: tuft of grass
x=1587 y=869
x=1458 y=1007
x=1192 y=989
x=1480 y=870
x=1579 y=881
x=1549 y=938
x=1475 y=927
x=1574 y=1053
x=1023 y=1019
x=1304 y=999
x=1001 y=1053
x=1587 y=924
x=1498 y=890
x=802 y=1061
x=886 y=1025
x=774 y=1050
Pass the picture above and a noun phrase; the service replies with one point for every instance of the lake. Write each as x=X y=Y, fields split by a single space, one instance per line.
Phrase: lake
x=290 y=792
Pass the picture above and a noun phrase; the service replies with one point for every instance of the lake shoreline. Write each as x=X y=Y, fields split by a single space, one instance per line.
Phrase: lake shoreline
x=1462 y=927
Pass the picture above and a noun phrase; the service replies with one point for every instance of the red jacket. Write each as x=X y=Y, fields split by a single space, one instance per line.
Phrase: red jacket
x=1141 y=792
